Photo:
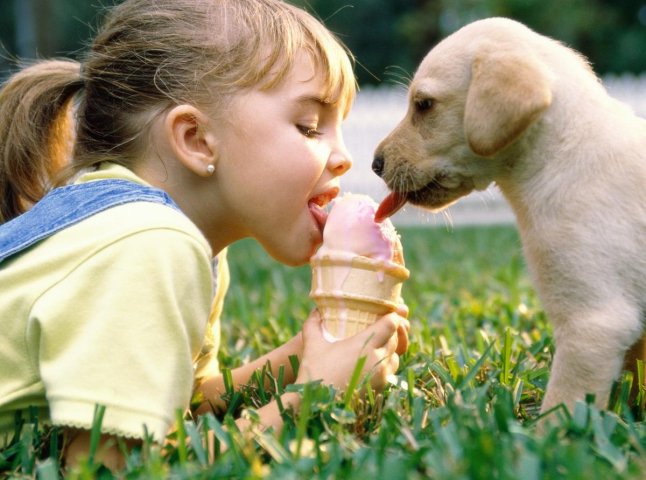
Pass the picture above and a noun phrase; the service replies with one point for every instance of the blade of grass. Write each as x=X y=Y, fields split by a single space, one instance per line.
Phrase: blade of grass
x=235 y=398
x=95 y=434
x=354 y=381
x=303 y=417
x=603 y=444
x=196 y=443
x=445 y=375
x=295 y=364
x=506 y=357
x=280 y=381
x=640 y=399
x=47 y=470
x=259 y=379
x=227 y=377
x=27 y=457
x=181 y=437
x=517 y=392
x=410 y=384
x=273 y=447
x=221 y=435
x=476 y=367
x=370 y=395
x=53 y=443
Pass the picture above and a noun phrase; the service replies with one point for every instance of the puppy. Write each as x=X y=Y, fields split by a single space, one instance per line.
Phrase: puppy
x=497 y=102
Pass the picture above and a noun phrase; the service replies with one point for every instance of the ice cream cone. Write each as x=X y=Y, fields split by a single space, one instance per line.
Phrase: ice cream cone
x=352 y=291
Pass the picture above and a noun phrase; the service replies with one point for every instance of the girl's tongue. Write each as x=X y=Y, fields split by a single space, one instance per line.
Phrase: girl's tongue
x=319 y=214
x=318 y=203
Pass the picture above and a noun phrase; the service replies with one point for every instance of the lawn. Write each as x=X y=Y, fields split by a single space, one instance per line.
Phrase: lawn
x=463 y=405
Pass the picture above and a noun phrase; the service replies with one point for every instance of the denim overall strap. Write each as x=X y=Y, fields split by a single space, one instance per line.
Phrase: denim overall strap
x=66 y=206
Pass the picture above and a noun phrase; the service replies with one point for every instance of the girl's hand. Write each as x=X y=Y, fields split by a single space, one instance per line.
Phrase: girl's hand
x=334 y=363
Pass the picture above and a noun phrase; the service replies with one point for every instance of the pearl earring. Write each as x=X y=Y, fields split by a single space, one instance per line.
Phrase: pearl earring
x=210 y=169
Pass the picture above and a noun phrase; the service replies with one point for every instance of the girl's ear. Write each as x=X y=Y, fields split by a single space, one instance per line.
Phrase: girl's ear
x=191 y=139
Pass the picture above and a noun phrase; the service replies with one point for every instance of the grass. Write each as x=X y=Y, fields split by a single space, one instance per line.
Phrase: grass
x=463 y=405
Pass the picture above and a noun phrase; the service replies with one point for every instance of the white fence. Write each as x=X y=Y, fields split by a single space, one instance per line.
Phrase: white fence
x=377 y=111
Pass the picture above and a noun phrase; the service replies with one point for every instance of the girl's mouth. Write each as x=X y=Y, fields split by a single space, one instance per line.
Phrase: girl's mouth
x=317 y=206
x=319 y=214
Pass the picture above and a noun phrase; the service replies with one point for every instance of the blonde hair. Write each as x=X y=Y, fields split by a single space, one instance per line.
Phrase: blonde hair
x=148 y=57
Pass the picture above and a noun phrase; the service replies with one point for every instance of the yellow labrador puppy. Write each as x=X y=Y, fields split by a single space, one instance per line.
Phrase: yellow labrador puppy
x=497 y=102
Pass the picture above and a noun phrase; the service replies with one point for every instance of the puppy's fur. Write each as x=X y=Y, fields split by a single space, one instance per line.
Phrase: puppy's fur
x=497 y=102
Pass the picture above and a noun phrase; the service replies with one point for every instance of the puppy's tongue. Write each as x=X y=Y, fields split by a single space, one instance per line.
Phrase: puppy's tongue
x=390 y=205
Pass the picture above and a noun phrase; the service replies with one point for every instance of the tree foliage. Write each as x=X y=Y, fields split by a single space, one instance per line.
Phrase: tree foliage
x=387 y=37
x=391 y=35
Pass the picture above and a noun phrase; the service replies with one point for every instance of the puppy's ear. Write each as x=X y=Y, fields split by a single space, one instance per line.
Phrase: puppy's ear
x=508 y=92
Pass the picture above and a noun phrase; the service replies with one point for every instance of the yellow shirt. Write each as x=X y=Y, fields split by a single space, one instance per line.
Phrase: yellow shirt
x=110 y=311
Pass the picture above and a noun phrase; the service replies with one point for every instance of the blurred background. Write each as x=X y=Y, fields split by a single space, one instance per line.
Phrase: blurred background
x=388 y=39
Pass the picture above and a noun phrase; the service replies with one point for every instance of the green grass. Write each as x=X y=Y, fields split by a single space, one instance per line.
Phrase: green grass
x=463 y=405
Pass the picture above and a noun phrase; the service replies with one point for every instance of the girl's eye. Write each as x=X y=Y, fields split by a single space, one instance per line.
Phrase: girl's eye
x=309 y=132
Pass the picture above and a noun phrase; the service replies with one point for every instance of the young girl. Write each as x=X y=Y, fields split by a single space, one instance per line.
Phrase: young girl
x=197 y=123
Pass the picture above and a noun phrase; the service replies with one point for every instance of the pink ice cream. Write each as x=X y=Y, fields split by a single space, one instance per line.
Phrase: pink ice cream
x=351 y=230
x=358 y=272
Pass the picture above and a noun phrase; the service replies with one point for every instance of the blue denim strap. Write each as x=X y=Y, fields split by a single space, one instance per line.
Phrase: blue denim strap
x=66 y=206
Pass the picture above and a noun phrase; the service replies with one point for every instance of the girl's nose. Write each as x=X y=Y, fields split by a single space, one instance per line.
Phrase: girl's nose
x=340 y=161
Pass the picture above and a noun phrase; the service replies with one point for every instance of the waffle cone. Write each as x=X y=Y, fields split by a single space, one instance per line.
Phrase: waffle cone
x=351 y=293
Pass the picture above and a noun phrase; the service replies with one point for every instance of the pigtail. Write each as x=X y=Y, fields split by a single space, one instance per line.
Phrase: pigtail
x=36 y=131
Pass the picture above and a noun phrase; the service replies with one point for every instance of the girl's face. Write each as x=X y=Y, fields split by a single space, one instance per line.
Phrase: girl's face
x=280 y=155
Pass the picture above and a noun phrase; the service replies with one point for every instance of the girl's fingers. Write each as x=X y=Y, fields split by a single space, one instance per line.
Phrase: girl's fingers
x=406 y=324
x=394 y=363
x=312 y=326
x=380 y=332
x=402 y=339
x=387 y=366
x=393 y=342
x=402 y=310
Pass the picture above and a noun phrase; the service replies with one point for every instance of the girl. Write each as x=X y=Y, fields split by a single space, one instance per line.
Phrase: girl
x=197 y=123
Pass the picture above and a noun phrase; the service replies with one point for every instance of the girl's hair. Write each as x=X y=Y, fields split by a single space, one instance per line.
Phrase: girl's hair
x=35 y=131
x=148 y=57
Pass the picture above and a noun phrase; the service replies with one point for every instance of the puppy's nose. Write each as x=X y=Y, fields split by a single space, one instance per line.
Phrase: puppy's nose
x=378 y=164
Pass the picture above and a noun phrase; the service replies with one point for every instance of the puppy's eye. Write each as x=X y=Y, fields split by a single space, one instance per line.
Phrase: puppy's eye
x=424 y=105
